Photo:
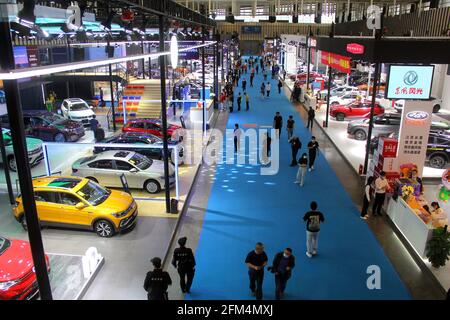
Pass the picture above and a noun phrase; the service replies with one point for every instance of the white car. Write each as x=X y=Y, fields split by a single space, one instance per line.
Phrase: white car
x=77 y=109
x=140 y=172
x=339 y=90
x=398 y=104
x=344 y=98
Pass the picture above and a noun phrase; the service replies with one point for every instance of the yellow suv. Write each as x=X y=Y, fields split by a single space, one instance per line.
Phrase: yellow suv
x=80 y=203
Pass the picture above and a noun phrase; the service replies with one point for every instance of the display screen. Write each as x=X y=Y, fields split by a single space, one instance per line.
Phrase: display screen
x=21 y=56
x=409 y=82
x=250 y=29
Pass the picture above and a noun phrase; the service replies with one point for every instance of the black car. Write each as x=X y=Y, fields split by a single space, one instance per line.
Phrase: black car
x=139 y=139
x=48 y=126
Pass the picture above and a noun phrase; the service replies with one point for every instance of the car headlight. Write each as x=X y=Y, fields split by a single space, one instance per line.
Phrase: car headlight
x=125 y=212
x=8 y=284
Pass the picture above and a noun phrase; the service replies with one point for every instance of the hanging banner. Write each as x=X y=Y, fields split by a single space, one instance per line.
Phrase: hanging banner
x=336 y=61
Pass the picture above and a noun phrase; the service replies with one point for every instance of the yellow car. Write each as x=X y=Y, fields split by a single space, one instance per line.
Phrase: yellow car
x=80 y=203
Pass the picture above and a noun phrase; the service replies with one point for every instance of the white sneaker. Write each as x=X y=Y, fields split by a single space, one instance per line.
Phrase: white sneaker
x=309 y=169
x=314 y=253
x=309 y=255
x=312 y=168
x=364 y=218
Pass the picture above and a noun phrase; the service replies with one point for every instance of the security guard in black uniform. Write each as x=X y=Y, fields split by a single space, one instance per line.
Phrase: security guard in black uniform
x=184 y=261
x=157 y=282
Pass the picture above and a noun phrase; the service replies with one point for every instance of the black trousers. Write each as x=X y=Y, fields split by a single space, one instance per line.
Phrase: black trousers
x=256 y=282
x=239 y=106
x=247 y=105
x=279 y=89
x=281 y=280
x=312 y=159
x=294 y=157
x=310 y=123
x=365 y=206
x=186 y=278
x=251 y=82
x=378 y=203
x=235 y=144
x=244 y=87
x=268 y=92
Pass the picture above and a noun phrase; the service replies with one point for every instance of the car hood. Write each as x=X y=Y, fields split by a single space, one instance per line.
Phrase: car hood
x=68 y=124
x=158 y=167
x=33 y=144
x=117 y=201
x=16 y=261
x=81 y=113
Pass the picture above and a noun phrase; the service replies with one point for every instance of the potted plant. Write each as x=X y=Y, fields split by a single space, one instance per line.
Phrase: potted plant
x=438 y=248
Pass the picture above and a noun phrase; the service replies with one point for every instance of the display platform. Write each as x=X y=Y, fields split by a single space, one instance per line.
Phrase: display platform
x=67 y=277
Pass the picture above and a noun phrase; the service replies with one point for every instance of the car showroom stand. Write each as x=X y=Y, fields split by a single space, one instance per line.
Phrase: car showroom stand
x=67 y=278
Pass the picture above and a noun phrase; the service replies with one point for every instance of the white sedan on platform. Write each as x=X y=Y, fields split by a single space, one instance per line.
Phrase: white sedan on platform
x=77 y=109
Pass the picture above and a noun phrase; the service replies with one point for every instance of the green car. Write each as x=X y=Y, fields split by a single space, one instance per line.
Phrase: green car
x=34 y=147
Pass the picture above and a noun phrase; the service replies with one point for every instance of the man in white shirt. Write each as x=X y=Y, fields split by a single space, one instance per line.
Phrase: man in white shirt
x=237 y=137
x=381 y=186
x=268 y=87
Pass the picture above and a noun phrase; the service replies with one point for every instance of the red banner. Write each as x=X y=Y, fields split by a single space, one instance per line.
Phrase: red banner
x=336 y=61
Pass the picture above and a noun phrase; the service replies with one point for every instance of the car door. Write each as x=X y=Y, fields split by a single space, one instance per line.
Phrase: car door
x=131 y=173
x=380 y=124
x=136 y=127
x=69 y=213
x=42 y=129
x=106 y=174
x=47 y=206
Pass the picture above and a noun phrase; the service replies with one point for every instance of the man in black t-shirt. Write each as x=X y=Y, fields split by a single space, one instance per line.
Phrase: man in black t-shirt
x=311 y=116
x=296 y=145
x=313 y=149
x=256 y=261
x=313 y=220
x=278 y=123
x=290 y=127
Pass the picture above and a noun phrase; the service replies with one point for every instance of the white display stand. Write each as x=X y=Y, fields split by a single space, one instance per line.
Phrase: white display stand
x=414 y=229
x=310 y=101
x=196 y=114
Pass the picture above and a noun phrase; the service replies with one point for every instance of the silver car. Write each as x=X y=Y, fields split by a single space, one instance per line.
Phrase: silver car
x=107 y=167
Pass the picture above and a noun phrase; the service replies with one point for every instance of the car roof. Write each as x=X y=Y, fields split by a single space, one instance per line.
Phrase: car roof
x=74 y=100
x=139 y=135
x=114 y=155
x=56 y=182
x=146 y=120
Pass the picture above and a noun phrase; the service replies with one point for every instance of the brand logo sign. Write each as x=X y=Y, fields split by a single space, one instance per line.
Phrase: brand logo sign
x=410 y=78
x=355 y=48
x=417 y=118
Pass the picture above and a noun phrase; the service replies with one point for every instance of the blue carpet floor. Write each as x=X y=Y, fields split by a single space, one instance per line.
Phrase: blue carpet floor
x=245 y=207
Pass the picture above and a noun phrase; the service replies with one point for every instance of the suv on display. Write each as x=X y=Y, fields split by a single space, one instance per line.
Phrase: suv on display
x=382 y=124
x=34 y=147
x=357 y=109
x=140 y=172
x=77 y=110
x=398 y=104
x=80 y=203
x=149 y=125
x=17 y=277
x=48 y=126
x=142 y=139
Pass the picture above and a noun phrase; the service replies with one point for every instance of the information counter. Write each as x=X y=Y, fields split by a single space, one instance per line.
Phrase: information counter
x=196 y=112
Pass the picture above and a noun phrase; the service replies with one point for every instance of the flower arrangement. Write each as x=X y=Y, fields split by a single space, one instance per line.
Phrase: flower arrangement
x=406 y=192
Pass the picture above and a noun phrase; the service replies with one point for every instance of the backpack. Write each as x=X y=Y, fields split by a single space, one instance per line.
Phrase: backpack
x=314 y=223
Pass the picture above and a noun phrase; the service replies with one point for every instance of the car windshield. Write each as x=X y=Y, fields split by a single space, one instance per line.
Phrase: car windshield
x=79 y=106
x=4 y=244
x=54 y=118
x=140 y=161
x=93 y=193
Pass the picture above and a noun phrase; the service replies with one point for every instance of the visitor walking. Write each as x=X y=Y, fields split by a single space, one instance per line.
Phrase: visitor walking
x=278 y=123
x=265 y=149
x=296 y=145
x=239 y=100
x=263 y=90
x=257 y=69
x=381 y=186
x=313 y=150
x=282 y=266
x=237 y=137
x=280 y=85
x=368 y=192
x=252 y=76
x=102 y=102
x=268 y=88
x=265 y=75
x=256 y=261
x=301 y=173
x=244 y=84
x=157 y=282
x=247 y=101
x=290 y=127
x=183 y=260
x=313 y=220
x=311 y=116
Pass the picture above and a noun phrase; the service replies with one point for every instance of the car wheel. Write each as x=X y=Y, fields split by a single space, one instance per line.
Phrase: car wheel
x=340 y=116
x=104 y=229
x=436 y=108
x=59 y=137
x=360 y=135
x=152 y=186
x=438 y=161
x=12 y=166
x=92 y=179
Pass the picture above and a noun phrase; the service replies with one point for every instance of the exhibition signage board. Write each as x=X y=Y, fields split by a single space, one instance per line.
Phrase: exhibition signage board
x=409 y=82
x=336 y=61
x=355 y=48
x=414 y=131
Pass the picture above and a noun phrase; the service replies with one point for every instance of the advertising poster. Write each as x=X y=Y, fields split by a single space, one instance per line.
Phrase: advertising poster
x=413 y=136
x=335 y=61
x=20 y=56
x=33 y=56
x=410 y=82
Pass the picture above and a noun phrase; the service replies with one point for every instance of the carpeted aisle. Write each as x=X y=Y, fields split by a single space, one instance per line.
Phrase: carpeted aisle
x=245 y=207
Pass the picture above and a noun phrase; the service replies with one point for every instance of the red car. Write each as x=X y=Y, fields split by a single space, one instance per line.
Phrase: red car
x=148 y=125
x=17 y=278
x=356 y=109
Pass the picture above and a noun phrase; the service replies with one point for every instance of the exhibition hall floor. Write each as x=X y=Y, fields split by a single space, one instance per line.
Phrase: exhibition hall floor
x=245 y=207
